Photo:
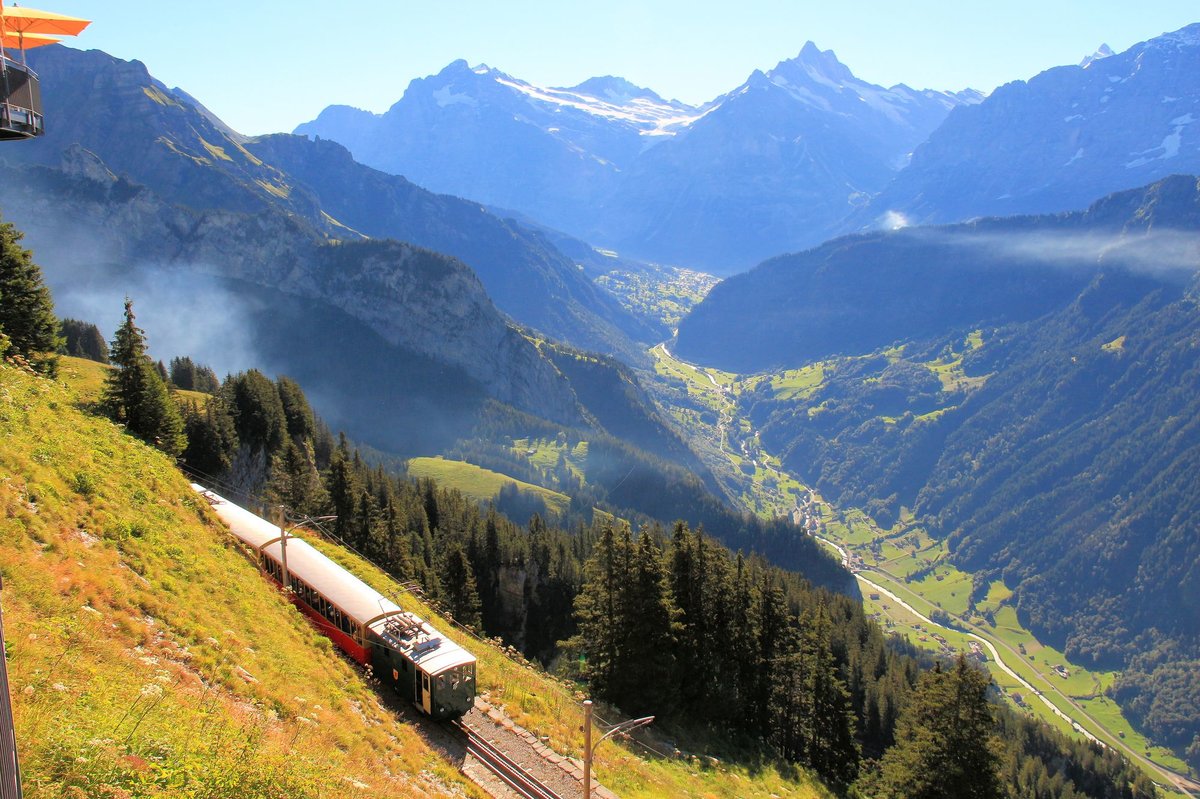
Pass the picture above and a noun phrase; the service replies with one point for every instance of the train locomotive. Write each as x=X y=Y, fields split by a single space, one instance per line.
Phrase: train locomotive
x=403 y=650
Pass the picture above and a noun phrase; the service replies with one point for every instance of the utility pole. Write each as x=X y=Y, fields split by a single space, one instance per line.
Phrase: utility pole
x=589 y=748
x=10 y=767
x=284 y=530
x=283 y=537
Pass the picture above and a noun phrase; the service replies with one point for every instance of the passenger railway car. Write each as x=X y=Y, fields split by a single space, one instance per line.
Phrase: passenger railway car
x=420 y=663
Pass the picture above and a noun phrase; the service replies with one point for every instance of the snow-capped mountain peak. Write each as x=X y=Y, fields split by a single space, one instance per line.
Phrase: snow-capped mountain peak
x=1102 y=52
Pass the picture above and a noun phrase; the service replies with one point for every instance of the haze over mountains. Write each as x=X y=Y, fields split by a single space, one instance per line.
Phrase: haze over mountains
x=770 y=166
x=1060 y=140
x=165 y=140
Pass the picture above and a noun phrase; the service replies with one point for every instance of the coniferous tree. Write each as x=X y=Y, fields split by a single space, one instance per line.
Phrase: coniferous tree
x=257 y=411
x=946 y=747
x=645 y=674
x=830 y=749
x=135 y=394
x=298 y=414
x=191 y=376
x=83 y=340
x=458 y=586
x=294 y=481
x=26 y=308
x=597 y=608
x=211 y=438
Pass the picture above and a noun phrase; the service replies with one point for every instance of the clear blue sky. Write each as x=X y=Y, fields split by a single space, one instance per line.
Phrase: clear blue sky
x=267 y=66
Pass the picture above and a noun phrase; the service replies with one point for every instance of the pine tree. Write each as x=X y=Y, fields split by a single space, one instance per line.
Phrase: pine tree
x=294 y=481
x=645 y=679
x=135 y=394
x=946 y=745
x=831 y=749
x=597 y=608
x=211 y=438
x=83 y=340
x=298 y=414
x=257 y=411
x=458 y=585
x=26 y=309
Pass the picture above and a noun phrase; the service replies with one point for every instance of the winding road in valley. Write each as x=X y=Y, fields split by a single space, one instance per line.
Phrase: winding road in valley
x=1096 y=731
x=1179 y=782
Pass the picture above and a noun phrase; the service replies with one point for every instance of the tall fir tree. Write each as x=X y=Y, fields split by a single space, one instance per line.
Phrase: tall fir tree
x=211 y=438
x=83 y=340
x=458 y=587
x=946 y=744
x=135 y=394
x=645 y=679
x=26 y=308
x=597 y=608
x=294 y=481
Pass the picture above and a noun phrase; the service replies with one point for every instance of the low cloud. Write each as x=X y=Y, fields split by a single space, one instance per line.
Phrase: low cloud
x=893 y=220
x=1167 y=254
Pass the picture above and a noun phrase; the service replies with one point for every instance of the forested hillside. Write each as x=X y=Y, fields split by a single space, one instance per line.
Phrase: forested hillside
x=1043 y=426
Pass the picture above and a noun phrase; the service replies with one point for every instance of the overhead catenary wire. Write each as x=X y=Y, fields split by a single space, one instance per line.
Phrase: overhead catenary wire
x=407 y=587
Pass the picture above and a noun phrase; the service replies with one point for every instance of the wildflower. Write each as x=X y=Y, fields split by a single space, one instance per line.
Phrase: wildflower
x=152 y=690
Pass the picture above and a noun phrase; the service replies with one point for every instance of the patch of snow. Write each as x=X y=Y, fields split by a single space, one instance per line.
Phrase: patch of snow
x=445 y=96
x=650 y=117
x=1102 y=52
x=1170 y=144
x=1169 y=147
x=801 y=93
x=1074 y=158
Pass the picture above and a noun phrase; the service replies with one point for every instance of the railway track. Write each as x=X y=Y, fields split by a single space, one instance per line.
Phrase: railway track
x=500 y=764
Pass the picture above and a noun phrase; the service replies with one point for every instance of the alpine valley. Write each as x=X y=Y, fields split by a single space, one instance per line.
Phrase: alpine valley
x=740 y=414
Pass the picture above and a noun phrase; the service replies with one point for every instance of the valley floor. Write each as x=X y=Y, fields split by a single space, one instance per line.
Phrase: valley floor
x=905 y=576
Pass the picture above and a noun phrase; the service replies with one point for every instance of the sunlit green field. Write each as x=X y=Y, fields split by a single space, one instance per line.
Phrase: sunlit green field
x=479 y=483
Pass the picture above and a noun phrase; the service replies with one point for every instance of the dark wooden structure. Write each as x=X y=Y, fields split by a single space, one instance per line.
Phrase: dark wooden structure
x=20 y=102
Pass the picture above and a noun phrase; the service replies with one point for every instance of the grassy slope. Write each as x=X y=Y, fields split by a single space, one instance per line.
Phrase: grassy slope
x=479 y=483
x=245 y=679
x=147 y=656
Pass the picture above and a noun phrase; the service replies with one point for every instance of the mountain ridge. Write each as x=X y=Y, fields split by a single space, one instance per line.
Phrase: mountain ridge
x=168 y=141
x=1057 y=141
x=649 y=177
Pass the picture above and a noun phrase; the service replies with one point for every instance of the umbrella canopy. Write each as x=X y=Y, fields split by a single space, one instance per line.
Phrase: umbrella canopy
x=25 y=41
x=16 y=19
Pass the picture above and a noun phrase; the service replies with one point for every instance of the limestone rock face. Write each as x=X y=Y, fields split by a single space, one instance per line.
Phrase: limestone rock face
x=83 y=218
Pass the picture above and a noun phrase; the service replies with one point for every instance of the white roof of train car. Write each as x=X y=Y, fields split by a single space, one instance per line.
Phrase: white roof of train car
x=354 y=597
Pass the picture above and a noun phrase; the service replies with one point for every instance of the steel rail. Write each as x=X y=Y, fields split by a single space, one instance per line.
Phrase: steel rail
x=504 y=767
